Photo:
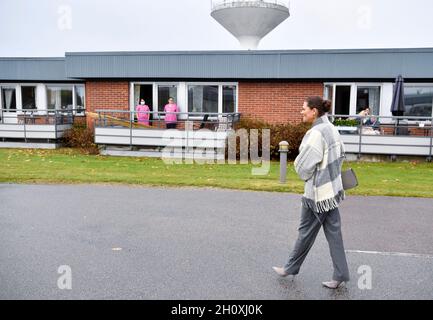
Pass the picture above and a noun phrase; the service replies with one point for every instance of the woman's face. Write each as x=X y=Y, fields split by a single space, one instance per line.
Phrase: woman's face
x=170 y=101
x=308 y=114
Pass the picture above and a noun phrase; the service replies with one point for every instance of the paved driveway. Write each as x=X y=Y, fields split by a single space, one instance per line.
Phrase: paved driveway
x=125 y=242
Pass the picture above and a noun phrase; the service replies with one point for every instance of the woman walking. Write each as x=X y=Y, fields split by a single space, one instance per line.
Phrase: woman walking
x=319 y=165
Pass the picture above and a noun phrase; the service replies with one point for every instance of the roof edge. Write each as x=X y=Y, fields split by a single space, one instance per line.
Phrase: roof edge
x=32 y=58
x=254 y=52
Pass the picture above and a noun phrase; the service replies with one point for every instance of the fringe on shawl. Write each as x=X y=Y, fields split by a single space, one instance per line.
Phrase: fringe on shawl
x=324 y=205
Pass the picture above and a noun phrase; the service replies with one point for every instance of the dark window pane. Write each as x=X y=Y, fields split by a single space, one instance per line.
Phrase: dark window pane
x=342 y=100
x=203 y=98
x=28 y=97
x=229 y=99
x=164 y=93
x=418 y=101
x=9 y=99
x=80 y=103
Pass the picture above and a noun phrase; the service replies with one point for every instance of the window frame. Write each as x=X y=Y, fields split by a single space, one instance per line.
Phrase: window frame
x=9 y=86
x=416 y=85
x=220 y=94
x=369 y=85
x=353 y=93
x=61 y=86
x=74 y=100
x=156 y=97
x=21 y=110
x=155 y=85
x=182 y=94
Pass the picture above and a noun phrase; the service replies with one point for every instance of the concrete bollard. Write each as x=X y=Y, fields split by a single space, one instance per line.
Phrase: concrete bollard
x=284 y=149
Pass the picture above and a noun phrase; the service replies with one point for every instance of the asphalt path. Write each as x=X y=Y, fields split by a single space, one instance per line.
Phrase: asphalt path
x=123 y=242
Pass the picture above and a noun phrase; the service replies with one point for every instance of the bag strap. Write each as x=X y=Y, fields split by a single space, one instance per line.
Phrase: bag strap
x=343 y=150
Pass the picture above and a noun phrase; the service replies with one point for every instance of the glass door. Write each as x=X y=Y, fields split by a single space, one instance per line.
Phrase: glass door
x=8 y=105
x=144 y=91
x=165 y=92
x=342 y=99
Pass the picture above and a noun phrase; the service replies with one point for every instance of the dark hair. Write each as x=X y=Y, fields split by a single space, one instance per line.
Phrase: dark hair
x=323 y=106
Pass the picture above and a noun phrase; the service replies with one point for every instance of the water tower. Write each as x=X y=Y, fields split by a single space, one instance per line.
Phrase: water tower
x=249 y=20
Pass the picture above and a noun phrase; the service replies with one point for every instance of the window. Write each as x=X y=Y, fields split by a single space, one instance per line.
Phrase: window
x=143 y=91
x=59 y=98
x=80 y=101
x=342 y=100
x=418 y=101
x=202 y=98
x=329 y=91
x=229 y=99
x=8 y=97
x=28 y=97
x=164 y=93
x=368 y=97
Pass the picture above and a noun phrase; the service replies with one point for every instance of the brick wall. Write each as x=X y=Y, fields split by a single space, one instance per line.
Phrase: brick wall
x=111 y=95
x=275 y=102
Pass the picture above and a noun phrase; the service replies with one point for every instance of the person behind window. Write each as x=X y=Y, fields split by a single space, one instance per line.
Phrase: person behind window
x=170 y=115
x=143 y=112
x=364 y=115
x=370 y=123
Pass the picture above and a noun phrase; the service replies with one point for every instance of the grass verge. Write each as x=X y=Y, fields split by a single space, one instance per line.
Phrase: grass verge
x=408 y=179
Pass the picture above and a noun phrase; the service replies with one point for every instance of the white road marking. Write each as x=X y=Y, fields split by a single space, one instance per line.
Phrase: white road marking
x=398 y=254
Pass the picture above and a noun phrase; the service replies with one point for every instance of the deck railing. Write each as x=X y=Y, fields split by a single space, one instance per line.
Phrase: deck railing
x=390 y=135
x=196 y=120
x=222 y=4
x=34 y=123
x=124 y=128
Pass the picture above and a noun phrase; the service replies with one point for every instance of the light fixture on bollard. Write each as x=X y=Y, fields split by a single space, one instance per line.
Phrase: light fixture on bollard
x=284 y=150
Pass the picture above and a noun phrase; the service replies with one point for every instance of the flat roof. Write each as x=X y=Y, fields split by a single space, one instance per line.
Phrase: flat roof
x=411 y=63
x=33 y=69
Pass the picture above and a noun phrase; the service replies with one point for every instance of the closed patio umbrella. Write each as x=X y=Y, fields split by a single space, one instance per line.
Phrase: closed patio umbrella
x=397 y=105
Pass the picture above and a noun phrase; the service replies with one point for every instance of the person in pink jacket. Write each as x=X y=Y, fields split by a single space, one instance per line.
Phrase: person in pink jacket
x=143 y=112
x=171 y=118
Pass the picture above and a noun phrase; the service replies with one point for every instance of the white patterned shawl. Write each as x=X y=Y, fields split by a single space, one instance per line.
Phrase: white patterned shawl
x=319 y=165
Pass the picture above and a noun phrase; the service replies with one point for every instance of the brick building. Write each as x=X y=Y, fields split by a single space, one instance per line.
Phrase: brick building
x=267 y=85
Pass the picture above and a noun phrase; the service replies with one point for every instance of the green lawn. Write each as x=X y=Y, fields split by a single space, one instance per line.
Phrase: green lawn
x=414 y=179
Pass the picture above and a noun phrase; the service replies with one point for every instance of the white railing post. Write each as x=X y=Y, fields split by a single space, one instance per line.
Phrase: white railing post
x=429 y=159
x=360 y=139
x=130 y=129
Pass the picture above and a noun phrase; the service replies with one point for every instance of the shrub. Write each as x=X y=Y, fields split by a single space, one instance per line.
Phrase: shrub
x=346 y=122
x=81 y=137
x=292 y=133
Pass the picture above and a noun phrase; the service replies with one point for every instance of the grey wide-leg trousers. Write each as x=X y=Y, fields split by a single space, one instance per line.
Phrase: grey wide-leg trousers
x=308 y=229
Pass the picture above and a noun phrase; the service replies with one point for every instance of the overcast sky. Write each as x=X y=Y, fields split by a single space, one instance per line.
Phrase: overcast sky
x=53 y=27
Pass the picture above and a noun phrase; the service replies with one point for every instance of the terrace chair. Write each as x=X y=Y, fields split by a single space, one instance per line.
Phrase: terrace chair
x=204 y=121
x=223 y=124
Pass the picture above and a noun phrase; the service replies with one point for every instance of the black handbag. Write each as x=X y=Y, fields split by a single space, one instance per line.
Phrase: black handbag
x=349 y=179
